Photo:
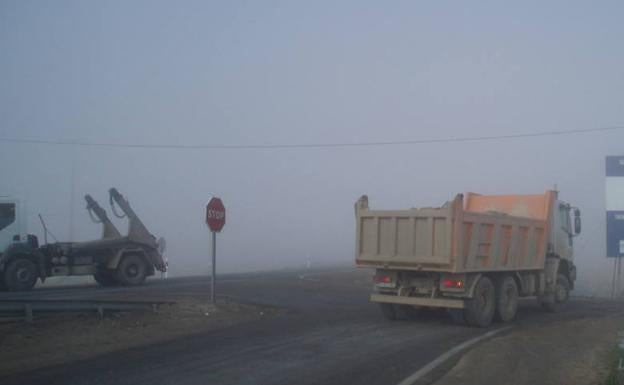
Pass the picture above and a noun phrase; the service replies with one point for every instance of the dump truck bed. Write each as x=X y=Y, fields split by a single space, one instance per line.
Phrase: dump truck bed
x=489 y=233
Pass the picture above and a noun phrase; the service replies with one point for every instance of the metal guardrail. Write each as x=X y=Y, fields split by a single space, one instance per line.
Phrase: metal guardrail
x=27 y=308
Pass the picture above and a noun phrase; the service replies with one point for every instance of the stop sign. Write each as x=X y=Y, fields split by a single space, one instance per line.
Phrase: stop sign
x=215 y=215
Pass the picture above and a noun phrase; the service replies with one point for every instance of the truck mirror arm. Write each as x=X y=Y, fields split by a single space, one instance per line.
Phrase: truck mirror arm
x=577 y=221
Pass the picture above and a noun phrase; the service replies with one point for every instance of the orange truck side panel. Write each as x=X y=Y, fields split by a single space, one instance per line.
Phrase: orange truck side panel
x=487 y=233
x=527 y=206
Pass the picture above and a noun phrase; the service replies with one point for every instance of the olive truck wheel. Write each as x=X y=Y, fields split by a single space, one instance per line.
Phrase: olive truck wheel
x=132 y=271
x=20 y=275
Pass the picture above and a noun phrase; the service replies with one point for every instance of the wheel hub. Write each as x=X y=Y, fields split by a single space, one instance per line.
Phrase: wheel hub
x=133 y=270
x=22 y=275
x=481 y=301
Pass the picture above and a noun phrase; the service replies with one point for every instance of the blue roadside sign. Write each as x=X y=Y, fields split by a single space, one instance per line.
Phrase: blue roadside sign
x=614 y=170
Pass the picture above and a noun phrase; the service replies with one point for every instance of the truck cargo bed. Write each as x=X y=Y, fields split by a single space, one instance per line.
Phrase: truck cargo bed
x=492 y=233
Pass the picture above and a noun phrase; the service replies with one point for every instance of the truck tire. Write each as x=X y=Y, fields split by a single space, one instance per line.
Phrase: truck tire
x=20 y=275
x=105 y=278
x=388 y=311
x=480 y=308
x=562 y=290
x=562 y=294
x=506 y=299
x=131 y=271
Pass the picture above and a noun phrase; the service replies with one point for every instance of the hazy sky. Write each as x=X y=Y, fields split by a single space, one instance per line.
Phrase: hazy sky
x=186 y=72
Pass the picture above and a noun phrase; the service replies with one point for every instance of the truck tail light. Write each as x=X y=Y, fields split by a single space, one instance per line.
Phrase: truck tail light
x=382 y=279
x=385 y=280
x=453 y=283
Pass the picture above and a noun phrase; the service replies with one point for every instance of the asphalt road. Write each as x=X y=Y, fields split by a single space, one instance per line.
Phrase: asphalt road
x=330 y=334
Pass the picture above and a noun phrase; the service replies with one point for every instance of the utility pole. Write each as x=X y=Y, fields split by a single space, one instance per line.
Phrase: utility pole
x=72 y=192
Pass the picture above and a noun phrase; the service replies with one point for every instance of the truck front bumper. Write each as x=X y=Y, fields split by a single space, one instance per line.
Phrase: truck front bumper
x=418 y=301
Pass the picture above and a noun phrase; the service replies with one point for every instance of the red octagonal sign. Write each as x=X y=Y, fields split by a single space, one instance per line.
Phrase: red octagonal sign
x=215 y=215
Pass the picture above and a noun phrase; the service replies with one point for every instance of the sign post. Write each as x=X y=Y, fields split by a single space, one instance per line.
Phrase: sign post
x=614 y=171
x=215 y=219
x=213 y=281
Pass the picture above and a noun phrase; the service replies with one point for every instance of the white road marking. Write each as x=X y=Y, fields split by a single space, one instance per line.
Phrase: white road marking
x=450 y=353
x=304 y=278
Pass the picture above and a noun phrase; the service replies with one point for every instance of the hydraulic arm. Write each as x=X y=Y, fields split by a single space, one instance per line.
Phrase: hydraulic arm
x=108 y=228
x=137 y=231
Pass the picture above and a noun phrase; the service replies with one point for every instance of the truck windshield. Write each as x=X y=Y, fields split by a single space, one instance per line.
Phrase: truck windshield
x=564 y=219
x=7 y=214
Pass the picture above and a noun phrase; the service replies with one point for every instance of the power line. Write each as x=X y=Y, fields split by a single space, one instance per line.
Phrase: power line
x=63 y=142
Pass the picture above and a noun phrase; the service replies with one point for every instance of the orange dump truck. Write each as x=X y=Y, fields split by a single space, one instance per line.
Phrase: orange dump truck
x=475 y=255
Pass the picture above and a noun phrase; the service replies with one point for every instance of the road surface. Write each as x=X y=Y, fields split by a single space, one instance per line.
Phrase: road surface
x=330 y=334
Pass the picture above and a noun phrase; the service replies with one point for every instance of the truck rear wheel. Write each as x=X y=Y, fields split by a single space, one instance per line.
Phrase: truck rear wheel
x=20 y=275
x=506 y=299
x=480 y=308
x=105 y=278
x=132 y=270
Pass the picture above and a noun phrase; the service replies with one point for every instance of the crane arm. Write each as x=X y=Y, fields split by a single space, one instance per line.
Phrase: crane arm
x=108 y=228
x=136 y=229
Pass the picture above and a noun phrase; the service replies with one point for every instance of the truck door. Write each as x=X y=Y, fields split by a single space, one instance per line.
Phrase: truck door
x=9 y=226
x=563 y=232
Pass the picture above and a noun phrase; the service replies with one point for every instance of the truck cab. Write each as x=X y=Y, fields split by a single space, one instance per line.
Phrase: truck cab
x=561 y=245
x=12 y=223
x=15 y=241
x=563 y=231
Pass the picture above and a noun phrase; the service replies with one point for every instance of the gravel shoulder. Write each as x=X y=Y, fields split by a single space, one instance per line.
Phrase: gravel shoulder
x=68 y=338
x=557 y=352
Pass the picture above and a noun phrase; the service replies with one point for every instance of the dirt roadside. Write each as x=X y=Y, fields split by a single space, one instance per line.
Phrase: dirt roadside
x=67 y=338
x=567 y=352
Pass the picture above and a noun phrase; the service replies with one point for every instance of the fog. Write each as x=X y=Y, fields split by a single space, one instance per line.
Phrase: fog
x=256 y=73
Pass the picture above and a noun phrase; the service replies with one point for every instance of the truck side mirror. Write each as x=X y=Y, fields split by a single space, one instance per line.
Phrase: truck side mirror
x=577 y=221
